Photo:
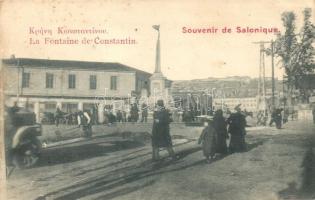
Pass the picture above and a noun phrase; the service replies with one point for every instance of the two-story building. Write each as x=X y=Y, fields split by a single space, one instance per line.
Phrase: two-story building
x=43 y=84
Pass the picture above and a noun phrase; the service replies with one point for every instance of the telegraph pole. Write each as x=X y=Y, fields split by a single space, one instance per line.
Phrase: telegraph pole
x=272 y=67
x=272 y=73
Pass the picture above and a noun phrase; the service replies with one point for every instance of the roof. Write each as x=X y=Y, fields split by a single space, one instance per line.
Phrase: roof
x=71 y=64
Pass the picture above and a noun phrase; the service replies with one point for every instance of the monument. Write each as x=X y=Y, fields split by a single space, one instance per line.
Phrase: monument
x=158 y=86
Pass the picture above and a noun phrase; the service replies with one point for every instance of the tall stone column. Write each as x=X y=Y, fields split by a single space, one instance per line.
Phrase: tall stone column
x=157 y=80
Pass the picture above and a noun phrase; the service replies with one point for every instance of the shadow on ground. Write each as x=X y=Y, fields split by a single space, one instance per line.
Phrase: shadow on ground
x=117 y=182
x=79 y=151
x=307 y=188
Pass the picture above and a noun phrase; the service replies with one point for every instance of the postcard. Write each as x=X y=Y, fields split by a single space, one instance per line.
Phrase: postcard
x=151 y=100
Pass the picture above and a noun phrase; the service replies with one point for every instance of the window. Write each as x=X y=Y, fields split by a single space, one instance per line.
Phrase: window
x=25 y=80
x=71 y=81
x=49 y=80
x=113 y=82
x=93 y=82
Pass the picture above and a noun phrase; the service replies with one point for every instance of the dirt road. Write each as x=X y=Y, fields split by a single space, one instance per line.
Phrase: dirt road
x=116 y=167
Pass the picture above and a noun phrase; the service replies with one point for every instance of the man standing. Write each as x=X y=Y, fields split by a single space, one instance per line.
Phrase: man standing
x=161 y=137
x=84 y=119
x=237 y=123
x=278 y=118
x=144 y=114
x=119 y=116
x=58 y=116
x=134 y=113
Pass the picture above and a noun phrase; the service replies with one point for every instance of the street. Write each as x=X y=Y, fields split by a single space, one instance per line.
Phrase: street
x=118 y=166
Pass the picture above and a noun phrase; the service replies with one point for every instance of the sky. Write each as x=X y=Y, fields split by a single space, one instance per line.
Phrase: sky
x=184 y=56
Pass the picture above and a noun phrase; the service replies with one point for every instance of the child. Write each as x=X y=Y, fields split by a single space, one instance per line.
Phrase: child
x=208 y=140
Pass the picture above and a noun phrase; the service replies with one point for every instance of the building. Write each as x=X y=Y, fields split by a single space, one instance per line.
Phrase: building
x=43 y=84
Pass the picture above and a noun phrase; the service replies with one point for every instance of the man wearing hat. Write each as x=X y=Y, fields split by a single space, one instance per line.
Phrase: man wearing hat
x=161 y=137
x=237 y=123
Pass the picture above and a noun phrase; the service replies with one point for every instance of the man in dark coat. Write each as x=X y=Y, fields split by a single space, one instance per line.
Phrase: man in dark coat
x=119 y=116
x=161 y=137
x=220 y=126
x=134 y=113
x=237 y=123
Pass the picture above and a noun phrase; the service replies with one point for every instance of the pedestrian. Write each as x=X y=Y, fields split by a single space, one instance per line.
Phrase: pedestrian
x=208 y=140
x=144 y=114
x=237 y=123
x=273 y=117
x=134 y=113
x=220 y=125
x=119 y=116
x=58 y=116
x=161 y=137
x=278 y=118
x=84 y=120
x=111 y=118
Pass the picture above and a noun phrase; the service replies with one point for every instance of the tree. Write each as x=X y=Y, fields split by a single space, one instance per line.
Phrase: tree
x=305 y=52
x=296 y=51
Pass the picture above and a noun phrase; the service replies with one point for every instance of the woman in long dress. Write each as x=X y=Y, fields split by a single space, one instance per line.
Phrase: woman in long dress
x=208 y=140
x=220 y=125
x=237 y=123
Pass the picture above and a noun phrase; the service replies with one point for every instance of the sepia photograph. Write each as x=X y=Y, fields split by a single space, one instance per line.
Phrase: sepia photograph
x=157 y=100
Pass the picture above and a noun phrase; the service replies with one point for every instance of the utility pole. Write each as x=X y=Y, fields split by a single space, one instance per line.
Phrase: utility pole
x=261 y=81
x=272 y=67
x=262 y=101
x=272 y=73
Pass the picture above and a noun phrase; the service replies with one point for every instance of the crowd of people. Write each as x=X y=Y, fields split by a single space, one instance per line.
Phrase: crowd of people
x=213 y=137
x=133 y=114
x=218 y=129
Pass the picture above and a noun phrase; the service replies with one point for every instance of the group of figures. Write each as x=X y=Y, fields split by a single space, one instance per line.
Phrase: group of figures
x=277 y=118
x=216 y=133
x=134 y=114
x=213 y=137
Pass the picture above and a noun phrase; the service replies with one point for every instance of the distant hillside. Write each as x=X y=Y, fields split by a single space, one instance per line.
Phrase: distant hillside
x=236 y=86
